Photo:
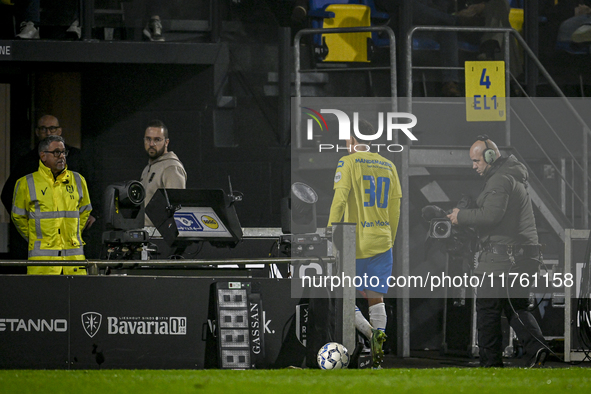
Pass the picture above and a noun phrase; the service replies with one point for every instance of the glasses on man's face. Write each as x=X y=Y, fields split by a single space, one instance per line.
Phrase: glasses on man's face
x=49 y=130
x=57 y=153
x=156 y=141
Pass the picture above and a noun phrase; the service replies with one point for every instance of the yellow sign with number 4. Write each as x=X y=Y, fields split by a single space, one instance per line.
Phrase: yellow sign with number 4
x=485 y=91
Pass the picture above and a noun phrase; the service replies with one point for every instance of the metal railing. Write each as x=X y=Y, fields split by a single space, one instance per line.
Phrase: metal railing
x=94 y=265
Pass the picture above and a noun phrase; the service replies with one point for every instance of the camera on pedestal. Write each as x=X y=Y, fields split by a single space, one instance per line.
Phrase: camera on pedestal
x=124 y=219
x=458 y=242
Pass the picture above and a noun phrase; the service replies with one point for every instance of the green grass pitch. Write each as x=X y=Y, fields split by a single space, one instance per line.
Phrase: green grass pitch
x=284 y=381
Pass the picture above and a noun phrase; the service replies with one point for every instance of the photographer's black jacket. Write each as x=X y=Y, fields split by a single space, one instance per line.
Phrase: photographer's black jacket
x=504 y=214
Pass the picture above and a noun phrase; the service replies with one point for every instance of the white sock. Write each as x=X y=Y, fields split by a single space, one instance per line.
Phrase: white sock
x=362 y=324
x=378 y=317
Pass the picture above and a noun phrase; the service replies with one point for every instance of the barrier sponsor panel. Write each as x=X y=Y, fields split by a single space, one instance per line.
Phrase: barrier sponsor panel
x=34 y=322
x=88 y=322
x=137 y=322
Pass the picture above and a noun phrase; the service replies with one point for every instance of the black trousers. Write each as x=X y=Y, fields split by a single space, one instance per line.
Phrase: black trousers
x=491 y=303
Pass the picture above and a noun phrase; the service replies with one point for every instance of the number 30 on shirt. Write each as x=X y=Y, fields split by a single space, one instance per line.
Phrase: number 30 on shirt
x=378 y=189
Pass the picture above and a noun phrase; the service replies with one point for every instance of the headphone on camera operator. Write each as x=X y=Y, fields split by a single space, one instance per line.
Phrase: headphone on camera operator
x=489 y=155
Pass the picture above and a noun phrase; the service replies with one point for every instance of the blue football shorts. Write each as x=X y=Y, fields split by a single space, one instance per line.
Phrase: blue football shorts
x=377 y=269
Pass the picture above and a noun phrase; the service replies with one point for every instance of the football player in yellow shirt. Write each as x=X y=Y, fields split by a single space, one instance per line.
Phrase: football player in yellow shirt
x=367 y=192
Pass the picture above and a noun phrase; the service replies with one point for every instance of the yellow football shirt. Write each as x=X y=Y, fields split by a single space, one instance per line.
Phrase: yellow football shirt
x=367 y=192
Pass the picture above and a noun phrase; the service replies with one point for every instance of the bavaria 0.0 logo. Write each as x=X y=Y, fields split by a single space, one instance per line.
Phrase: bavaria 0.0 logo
x=91 y=321
x=387 y=123
x=134 y=325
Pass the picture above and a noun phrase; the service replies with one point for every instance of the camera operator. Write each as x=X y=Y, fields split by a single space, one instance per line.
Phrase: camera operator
x=508 y=243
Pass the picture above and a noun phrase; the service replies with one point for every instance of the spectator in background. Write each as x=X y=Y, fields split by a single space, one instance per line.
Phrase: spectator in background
x=29 y=12
x=164 y=169
x=299 y=11
x=493 y=13
x=153 y=29
x=480 y=13
x=576 y=28
x=433 y=13
x=561 y=11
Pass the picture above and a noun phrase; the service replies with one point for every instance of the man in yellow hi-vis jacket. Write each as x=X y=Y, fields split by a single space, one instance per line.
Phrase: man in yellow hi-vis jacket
x=50 y=208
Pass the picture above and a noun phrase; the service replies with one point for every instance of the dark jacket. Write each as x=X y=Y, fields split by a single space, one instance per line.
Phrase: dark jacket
x=505 y=214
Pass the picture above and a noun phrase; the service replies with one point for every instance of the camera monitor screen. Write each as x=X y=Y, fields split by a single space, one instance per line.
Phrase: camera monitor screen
x=195 y=215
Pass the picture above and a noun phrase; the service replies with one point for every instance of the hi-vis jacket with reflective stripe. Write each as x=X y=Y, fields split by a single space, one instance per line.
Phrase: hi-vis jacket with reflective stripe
x=50 y=214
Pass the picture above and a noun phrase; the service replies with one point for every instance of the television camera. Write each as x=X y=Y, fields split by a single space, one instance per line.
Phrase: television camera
x=458 y=240
x=124 y=235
